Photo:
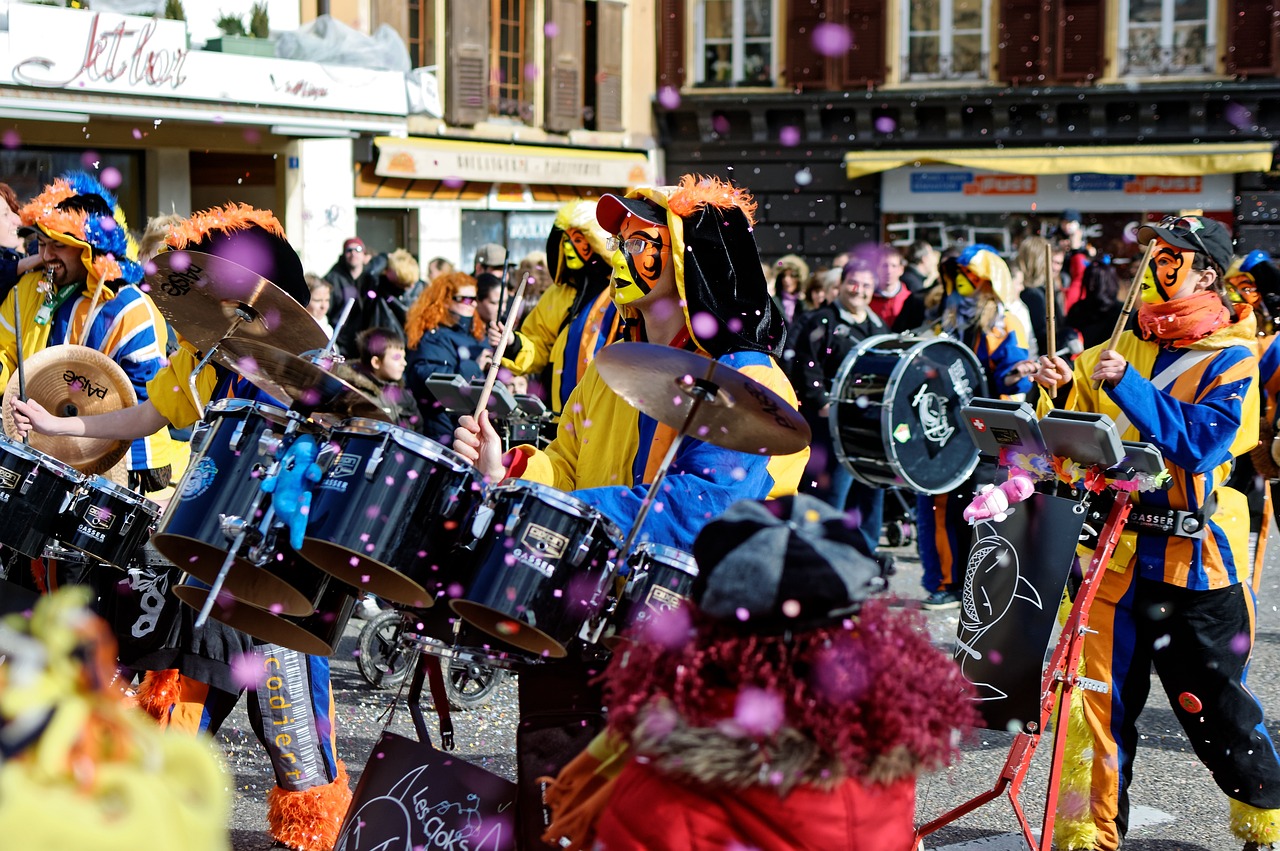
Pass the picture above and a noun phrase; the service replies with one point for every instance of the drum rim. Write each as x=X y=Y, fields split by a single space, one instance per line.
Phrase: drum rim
x=682 y=560
x=102 y=483
x=565 y=500
x=231 y=406
x=53 y=465
x=412 y=441
x=891 y=453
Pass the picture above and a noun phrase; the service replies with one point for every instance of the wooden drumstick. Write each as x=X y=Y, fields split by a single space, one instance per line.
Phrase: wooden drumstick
x=1131 y=298
x=1050 y=303
x=513 y=313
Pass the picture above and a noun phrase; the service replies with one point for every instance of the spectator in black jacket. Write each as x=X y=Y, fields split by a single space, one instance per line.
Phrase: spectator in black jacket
x=345 y=275
x=14 y=259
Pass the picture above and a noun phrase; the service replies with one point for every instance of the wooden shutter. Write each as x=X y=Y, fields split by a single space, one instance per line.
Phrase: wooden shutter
x=1024 y=35
x=467 y=75
x=609 y=23
x=806 y=68
x=1080 y=38
x=393 y=13
x=563 y=76
x=671 y=14
x=864 y=64
x=1253 y=38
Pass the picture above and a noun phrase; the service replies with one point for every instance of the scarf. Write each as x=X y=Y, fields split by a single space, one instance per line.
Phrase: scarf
x=1184 y=321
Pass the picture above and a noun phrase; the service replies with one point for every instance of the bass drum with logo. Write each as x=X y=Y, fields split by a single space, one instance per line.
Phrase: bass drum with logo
x=895 y=412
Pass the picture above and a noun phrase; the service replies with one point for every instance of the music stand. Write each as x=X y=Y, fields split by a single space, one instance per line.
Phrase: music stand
x=457 y=394
x=997 y=424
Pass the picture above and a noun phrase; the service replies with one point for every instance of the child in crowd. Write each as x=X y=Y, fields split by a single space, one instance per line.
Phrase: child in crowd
x=380 y=374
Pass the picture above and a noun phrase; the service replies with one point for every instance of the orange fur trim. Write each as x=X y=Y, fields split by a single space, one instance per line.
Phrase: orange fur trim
x=53 y=195
x=159 y=692
x=106 y=268
x=69 y=222
x=39 y=573
x=696 y=191
x=229 y=218
x=309 y=820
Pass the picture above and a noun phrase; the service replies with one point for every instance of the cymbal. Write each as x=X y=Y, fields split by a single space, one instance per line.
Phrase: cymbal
x=742 y=414
x=203 y=294
x=73 y=380
x=305 y=386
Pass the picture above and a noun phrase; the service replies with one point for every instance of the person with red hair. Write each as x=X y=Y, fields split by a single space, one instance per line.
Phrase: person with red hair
x=442 y=337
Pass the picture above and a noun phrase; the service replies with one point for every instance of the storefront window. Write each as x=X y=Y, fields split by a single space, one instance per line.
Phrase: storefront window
x=28 y=169
x=735 y=39
x=945 y=39
x=521 y=232
x=1167 y=36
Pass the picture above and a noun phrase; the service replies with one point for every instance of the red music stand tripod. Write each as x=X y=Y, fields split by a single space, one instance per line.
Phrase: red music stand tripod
x=1061 y=672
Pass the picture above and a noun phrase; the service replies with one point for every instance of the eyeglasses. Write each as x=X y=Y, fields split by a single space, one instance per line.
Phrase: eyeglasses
x=1186 y=227
x=465 y=299
x=355 y=249
x=632 y=245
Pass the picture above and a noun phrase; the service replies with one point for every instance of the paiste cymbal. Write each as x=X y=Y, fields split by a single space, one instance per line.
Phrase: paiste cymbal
x=305 y=386
x=203 y=294
x=743 y=414
x=68 y=381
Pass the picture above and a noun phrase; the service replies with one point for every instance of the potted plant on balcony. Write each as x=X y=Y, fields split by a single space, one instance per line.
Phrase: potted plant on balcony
x=235 y=38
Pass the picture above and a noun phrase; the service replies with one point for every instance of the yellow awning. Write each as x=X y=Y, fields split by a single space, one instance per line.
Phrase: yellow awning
x=1170 y=160
x=421 y=158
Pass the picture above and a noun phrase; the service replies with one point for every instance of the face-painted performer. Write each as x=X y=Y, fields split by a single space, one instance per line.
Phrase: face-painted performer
x=1185 y=381
x=575 y=316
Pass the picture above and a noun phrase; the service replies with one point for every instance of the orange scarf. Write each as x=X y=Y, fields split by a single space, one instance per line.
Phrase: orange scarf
x=1184 y=321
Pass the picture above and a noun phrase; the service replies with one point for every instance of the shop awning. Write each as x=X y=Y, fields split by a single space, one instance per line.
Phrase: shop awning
x=418 y=158
x=370 y=185
x=1171 y=160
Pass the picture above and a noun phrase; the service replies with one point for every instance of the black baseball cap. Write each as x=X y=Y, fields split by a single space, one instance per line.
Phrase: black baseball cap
x=1193 y=233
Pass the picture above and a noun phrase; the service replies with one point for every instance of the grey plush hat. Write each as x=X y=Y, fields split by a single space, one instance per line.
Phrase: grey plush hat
x=794 y=563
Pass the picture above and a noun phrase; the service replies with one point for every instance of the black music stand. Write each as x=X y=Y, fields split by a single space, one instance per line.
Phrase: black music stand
x=997 y=424
x=459 y=395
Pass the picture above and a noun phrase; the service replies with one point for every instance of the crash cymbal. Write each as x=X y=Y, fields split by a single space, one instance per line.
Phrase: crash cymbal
x=742 y=414
x=307 y=387
x=68 y=381
x=203 y=294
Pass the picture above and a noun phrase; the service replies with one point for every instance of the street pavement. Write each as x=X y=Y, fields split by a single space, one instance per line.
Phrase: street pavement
x=1176 y=806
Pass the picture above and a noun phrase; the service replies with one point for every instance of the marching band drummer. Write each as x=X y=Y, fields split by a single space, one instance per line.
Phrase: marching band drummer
x=1186 y=381
x=686 y=273
x=192 y=684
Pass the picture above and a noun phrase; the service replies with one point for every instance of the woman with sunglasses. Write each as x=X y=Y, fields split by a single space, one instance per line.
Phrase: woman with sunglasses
x=443 y=337
x=1175 y=596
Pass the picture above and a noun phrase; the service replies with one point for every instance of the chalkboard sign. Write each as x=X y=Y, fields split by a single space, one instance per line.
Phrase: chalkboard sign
x=412 y=796
x=1014 y=578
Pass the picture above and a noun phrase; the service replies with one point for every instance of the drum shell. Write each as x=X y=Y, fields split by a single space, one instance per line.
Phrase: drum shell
x=540 y=569
x=235 y=448
x=107 y=522
x=34 y=490
x=316 y=634
x=895 y=412
x=398 y=519
x=660 y=579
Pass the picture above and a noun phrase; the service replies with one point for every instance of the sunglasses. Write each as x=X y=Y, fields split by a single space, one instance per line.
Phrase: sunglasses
x=1185 y=228
x=355 y=249
x=633 y=245
x=465 y=299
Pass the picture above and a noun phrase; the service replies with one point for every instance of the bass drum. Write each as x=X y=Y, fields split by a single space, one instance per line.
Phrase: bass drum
x=895 y=412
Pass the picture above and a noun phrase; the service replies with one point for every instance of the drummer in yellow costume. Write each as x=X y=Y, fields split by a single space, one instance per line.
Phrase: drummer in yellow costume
x=686 y=273
x=576 y=315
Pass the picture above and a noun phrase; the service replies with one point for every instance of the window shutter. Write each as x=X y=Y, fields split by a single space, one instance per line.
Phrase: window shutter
x=393 y=13
x=806 y=68
x=1080 y=28
x=864 y=64
x=670 y=44
x=1023 y=34
x=467 y=77
x=1253 y=37
x=609 y=23
x=565 y=47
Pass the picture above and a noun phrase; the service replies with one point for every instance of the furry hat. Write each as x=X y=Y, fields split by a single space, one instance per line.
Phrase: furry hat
x=78 y=210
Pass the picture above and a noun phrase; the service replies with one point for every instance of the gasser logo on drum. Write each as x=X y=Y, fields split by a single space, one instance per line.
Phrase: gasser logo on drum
x=343 y=467
x=98 y=517
x=8 y=481
x=544 y=541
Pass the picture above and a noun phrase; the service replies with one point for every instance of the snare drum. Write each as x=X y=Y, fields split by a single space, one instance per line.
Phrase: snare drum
x=895 y=412
x=107 y=522
x=389 y=510
x=34 y=490
x=660 y=580
x=542 y=560
x=234 y=446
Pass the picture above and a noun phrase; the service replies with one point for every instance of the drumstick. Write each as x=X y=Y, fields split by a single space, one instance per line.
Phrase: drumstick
x=1135 y=287
x=513 y=313
x=1050 y=303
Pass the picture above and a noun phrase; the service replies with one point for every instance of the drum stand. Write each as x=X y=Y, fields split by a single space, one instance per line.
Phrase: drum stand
x=1061 y=672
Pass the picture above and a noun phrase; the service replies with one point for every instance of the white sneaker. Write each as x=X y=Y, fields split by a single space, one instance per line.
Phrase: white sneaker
x=366 y=609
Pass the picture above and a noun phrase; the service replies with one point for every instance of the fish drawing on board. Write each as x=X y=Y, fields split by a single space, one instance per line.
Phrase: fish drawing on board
x=992 y=581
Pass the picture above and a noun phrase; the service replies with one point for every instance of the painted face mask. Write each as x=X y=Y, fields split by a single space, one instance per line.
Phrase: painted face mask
x=1166 y=274
x=577 y=250
x=964 y=285
x=641 y=261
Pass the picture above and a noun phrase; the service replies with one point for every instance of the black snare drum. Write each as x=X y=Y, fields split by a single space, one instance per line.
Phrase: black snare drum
x=542 y=559
x=895 y=412
x=389 y=510
x=234 y=446
x=659 y=580
x=34 y=490
x=107 y=522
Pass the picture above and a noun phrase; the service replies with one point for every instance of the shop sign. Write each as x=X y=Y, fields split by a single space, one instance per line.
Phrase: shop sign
x=428 y=159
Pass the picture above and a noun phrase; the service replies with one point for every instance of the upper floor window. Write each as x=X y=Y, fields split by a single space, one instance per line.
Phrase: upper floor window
x=946 y=39
x=1167 y=36
x=735 y=39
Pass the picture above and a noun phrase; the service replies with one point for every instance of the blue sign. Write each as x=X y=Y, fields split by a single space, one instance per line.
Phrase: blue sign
x=1087 y=182
x=940 y=181
x=293 y=162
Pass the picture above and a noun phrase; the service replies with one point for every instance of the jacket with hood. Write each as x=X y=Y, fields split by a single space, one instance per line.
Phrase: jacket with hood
x=447 y=349
x=607 y=452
